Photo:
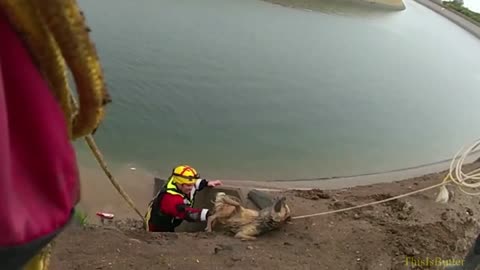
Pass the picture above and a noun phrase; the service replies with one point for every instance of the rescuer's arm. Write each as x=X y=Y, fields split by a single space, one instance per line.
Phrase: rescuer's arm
x=202 y=183
x=173 y=205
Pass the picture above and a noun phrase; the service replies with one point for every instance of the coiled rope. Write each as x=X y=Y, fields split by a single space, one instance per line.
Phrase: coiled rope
x=57 y=38
x=455 y=175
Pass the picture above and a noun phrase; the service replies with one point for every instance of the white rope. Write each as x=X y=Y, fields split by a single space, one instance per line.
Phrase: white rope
x=455 y=175
x=459 y=177
x=370 y=203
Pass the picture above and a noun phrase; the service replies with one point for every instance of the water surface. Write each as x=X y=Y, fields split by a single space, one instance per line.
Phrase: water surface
x=251 y=90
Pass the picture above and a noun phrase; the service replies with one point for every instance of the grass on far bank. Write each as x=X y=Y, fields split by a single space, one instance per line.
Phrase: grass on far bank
x=463 y=10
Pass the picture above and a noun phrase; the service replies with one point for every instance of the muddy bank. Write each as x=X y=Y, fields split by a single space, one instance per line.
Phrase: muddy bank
x=393 y=235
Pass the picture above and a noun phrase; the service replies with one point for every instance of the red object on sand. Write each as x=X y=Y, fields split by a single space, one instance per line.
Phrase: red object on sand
x=105 y=215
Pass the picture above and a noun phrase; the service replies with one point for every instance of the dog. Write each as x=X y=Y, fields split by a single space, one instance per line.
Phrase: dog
x=247 y=223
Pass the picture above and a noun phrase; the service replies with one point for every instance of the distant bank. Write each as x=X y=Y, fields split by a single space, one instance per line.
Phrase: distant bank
x=455 y=17
x=436 y=5
x=320 y=4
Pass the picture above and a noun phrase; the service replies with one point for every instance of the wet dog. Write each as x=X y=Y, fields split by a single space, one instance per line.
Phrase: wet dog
x=246 y=223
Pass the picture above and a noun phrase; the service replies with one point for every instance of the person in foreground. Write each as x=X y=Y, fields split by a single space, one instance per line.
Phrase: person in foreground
x=39 y=177
x=174 y=202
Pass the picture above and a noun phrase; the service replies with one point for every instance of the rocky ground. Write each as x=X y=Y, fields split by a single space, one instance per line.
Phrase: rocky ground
x=386 y=236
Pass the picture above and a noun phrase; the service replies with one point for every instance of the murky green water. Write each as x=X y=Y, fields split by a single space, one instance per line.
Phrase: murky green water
x=246 y=89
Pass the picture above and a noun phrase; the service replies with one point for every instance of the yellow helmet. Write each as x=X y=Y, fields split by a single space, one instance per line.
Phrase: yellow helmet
x=185 y=174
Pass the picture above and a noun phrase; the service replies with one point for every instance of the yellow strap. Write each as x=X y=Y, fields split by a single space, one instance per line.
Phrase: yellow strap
x=171 y=185
x=147 y=216
x=40 y=261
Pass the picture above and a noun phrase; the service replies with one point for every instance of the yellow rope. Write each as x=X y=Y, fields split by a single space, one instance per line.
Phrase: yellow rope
x=57 y=38
x=98 y=156
x=103 y=164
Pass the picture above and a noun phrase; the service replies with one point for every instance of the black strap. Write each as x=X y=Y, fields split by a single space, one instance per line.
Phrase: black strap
x=158 y=218
x=15 y=257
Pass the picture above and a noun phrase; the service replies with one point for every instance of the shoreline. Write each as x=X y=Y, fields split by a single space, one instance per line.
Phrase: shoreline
x=327 y=182
x=311 y=5
x=453 y=16
x=99 y=195
x=339 y=182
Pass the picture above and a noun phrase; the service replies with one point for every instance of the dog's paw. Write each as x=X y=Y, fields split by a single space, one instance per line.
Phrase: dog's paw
x=244 y=237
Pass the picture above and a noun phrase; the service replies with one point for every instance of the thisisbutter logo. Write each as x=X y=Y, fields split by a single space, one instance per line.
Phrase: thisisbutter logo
x=434 y=261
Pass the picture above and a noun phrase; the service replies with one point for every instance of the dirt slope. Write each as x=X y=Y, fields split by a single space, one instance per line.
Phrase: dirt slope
x=378 y=237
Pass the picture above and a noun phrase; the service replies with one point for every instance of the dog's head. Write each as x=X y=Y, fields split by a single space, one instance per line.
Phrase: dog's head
x=222 y=198
x=219 y=196
x=280 y=210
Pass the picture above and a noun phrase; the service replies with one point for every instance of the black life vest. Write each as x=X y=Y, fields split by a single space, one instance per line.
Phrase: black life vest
x=156 y=217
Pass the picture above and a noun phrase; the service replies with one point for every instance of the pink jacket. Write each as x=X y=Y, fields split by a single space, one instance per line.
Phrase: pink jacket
x=38 y=170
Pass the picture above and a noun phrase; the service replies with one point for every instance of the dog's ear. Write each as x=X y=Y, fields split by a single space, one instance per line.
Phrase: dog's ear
x=279 y=203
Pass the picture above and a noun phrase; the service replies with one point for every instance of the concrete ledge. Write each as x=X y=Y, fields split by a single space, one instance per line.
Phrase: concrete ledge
x=389 y=4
